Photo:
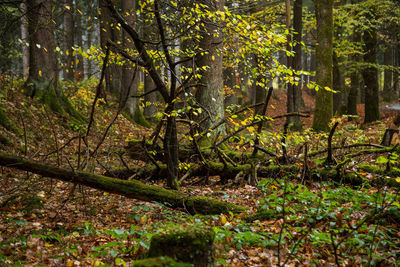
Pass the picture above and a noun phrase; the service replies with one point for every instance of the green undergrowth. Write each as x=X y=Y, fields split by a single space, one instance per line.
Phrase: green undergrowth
x=306 y=222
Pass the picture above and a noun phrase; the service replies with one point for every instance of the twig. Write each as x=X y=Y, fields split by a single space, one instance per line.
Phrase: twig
x=329 y=159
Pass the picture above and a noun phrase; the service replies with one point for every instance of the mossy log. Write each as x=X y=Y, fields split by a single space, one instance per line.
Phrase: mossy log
x=230 y=172
x=131 y=189
x=159 y=262
x=191 y=244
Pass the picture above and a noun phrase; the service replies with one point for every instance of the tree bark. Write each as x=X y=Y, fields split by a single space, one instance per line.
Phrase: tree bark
x=42 y=59
x=370 y=75
x=24 y=37
x=113 y=72
x=130 y=83
x=389 y=93
x=294 y=91
x=324 y=49
x=355 y=80
x=69 y=68
x=79 y=68
x=131 y=189
x=338 y=87
x=210 y=94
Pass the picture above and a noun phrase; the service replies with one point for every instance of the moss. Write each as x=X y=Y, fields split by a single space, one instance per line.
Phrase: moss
x=212 y=206
x=8 y=124
x=159 y=262
x=140 y=119
x=192 y=244
x=55 y=99
x=261 y=216
x=4 y=140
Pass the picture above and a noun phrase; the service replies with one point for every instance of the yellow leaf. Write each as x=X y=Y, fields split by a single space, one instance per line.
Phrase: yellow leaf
x=212 y=58
x=68 y=7
x=70 y=263
x=143 y=219
x=80 y=12
x=223 y=219
x=40 y=73
x=48 y=245
x=397 y=179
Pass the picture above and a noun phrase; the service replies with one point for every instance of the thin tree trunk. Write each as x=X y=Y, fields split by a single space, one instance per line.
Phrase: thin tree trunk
x=68 y=40
x=79 y=36
x=150 y=108
x=388 y=90
x=24 y=37
x=355 y=85
x=294 y=90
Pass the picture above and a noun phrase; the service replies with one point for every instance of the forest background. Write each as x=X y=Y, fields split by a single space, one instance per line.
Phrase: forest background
x=271 y=125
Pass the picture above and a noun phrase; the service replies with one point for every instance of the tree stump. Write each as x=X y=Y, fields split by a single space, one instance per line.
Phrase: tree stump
x=192 y=244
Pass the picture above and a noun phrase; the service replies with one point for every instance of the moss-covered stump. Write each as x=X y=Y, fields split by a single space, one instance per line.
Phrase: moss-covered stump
x=159 y=262
x=193 y=244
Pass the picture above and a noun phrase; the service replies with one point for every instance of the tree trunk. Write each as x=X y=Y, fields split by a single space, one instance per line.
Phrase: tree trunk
x=150 y=108
x=42 y=59
x=230 y=90
x=324 y=49
x=370 y=76
x=294 y=91
x=131 y=189
x=355 y=85
x=338 y=87
x=24 y=37
x=113 y=72
x=210 y=94
x=130 y=84
x=69 y=62
x=389 y=93
x=79 y=68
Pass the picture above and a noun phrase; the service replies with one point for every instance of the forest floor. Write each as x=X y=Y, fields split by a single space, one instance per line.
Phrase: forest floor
x=45 y=222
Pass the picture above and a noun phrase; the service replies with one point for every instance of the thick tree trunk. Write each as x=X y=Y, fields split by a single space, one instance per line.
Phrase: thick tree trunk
x=131 y=189
x=42 y=59
x=130 y=84
x=324 y=49
x=69 y=62
x=210 y=94
x=294 y=91
x=370 y=76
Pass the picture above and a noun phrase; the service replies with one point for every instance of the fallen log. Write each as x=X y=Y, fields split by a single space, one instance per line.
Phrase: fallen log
x=230 y=172
x=131 y=189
